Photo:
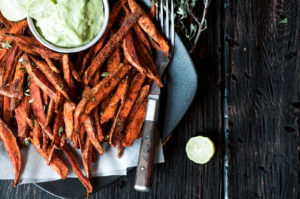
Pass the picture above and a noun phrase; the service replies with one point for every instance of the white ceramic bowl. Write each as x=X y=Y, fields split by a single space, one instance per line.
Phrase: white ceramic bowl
x=41 y=39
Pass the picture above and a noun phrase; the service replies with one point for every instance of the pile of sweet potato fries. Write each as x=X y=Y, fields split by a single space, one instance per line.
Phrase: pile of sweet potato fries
x=79 y=100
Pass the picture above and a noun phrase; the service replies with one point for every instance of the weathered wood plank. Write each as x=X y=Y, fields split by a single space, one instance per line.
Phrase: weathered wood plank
x=263 y=63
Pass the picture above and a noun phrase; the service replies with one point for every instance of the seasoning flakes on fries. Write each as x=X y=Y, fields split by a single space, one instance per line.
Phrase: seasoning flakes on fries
x=61 y=102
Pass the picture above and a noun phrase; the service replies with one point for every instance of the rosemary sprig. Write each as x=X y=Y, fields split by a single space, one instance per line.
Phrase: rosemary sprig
x=202 y=25
x=183 y=10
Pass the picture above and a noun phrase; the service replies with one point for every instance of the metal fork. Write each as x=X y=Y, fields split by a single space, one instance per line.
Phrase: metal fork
x=143 y=178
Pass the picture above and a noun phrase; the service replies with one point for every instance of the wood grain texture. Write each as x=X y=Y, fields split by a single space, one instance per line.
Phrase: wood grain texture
x=263 y=75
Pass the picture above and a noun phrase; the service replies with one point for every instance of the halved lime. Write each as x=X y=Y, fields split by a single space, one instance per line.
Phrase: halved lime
x=14 y=10
x=38 y=9
x=200 y=149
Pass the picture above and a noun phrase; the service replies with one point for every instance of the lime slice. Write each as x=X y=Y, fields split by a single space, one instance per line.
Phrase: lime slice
x=14 y=10
x=38 y=9
x=23 y=4
x=200 y=149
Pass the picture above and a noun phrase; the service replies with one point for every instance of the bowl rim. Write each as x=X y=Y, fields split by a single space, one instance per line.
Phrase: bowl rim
x=53 y=47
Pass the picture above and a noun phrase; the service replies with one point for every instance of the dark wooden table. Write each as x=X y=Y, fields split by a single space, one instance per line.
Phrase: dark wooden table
x=247 y=49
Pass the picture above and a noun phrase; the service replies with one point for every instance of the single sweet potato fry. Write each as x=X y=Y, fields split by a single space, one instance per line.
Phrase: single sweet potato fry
x=17 y=85
x=106 y=86
x=114 y=60
x=58 y=132
x=51 y=152
x=110 y=46
x=1 y=74
x=142 y=96
x=26 y=49
x=45 y=52
x=86 y=60
x=113 y=104
x=1 y=105
x=50 y=112
x=6 y=111
x=113 y=138
x=147 y=25
x=87 y=158
x=142 y=37
x=11 y=146
x=68 y=75
x=37 y=108
x=58 y=127
x=74 y=72
x=98 y=46
x=56 y=163
x=51 y=65
x=75 y=139
x=45 y=98
x=131 y=97
x=98 y=125
x=96 y=79
x=94 y=155
x=79 y=59
x=22 y=39
x=9 y=66
x=120 y=151
x=91 y=134
x=29 y=122
x=152 y=12
x=105 y=102
x=148 y=62
x=76 y=169
x=20 y=114
x=38 y=77
x=80 y=108
x=69 y=108
x=58 y=101
x=126 y=9
x=37 y=135
x=53 y=77
x=134 y=127
x=45 y=142
x=27 y=112
x=81 y=136
x=131 y=54
x=62 y=140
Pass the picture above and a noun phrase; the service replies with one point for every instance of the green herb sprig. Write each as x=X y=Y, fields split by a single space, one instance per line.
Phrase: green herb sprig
x=6 y=44
x=183 y=10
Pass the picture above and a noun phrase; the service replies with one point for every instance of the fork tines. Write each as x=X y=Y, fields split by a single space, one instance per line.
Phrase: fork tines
x=165 y=17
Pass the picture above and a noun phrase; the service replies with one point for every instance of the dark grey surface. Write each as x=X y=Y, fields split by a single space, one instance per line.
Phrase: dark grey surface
x=178 y=94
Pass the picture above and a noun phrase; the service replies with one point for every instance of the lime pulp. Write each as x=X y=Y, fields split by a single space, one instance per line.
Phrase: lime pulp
x=200 y=149
x=14 y=10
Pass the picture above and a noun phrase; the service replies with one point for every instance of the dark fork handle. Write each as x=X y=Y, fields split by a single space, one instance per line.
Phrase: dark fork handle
x=143 y=178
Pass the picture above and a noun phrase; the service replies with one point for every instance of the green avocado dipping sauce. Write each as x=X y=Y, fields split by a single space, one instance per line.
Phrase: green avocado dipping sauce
x=67 y=23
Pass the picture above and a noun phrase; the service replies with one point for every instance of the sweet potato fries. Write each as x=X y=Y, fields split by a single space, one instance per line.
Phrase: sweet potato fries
x=77 y=101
